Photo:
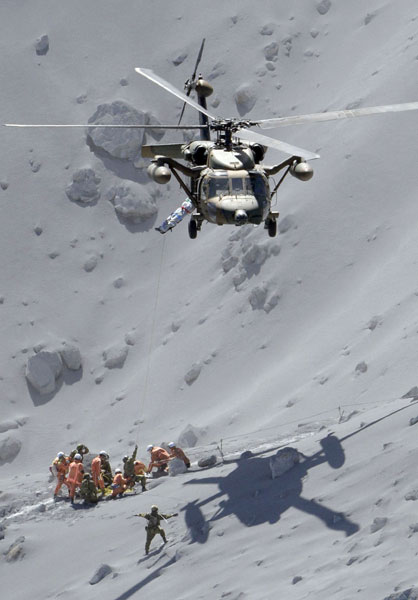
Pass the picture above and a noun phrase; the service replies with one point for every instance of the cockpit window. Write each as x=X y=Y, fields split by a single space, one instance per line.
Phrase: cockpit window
x=218 y=186
x=237 y=186
x=257 y=184
x=252 y=185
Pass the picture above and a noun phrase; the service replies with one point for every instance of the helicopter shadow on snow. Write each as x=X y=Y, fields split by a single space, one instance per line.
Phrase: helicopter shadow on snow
x=255 y=498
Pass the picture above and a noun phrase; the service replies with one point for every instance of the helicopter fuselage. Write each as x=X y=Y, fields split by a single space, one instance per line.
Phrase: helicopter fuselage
x=233 y=197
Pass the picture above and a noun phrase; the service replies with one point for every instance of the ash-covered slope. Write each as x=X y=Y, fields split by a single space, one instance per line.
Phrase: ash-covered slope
x=241 y=336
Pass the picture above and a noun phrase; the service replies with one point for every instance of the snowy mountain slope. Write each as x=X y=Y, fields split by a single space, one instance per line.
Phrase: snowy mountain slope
x=284 y=331
x=328 y=525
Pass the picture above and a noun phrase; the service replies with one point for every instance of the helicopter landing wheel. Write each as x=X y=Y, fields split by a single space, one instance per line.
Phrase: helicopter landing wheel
x=272 y=227
x=192 y=229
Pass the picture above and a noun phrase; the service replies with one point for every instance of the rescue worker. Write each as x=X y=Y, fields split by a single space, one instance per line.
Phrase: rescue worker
x=154 y=519
x=88 y=490
x=159 y=458
x=128 y=468
x=59 y=468
x=75 y=475
x=106 y=469
x=178 y=215
x=96 y=471
x=119 y=484
x=176 y=452
x=140 y=470
x=81 y=449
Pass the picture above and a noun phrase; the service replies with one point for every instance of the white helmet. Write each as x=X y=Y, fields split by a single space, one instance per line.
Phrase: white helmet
x=60 y=455
x=103 y=453
x=78 y=457
x=171 y=445
x=118 y=470
x=149 y=447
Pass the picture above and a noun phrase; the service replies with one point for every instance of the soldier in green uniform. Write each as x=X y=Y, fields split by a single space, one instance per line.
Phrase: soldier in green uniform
x=88 y=490
x=128 y=468
x=81 y=449
x=154 y=519
x=106 y=470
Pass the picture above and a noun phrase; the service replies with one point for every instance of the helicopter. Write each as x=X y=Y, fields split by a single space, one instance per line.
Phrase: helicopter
x=228 y=182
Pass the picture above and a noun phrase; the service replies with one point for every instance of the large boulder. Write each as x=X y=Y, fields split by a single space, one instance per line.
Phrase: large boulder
x=42 y=371
x=71 y=357
x=121 y=143
x=9 y=448
x=176 y=467
x=190 y=436
x=130 y=203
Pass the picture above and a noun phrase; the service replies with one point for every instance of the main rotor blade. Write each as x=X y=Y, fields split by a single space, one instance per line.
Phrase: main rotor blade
x=189 y=87
x=170 y=88
x=199 y=58
x=252 y=136
x=182 y=112
x=92 y=125
x=336 y=114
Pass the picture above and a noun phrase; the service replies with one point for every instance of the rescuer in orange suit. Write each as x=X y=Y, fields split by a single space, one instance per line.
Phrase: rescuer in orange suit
x=75 y=475
x=119 y=484
x=159 y=458
x=140 y=470
x=176 y=452
x=96 y=471
x=60 y=468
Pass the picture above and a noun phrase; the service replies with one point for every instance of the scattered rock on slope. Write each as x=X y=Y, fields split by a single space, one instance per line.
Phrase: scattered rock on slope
x=114 y=357
x=193 y=373
x=71 y=357
x=412 y=393
x=9 y=448
x=16 y=550
x=378 y=523
x=245 y=99
x=42 y=45
x=409 y=594
x=323 y=7
x=207 y=461
x=284 y=460
x=84 y=187
x=100 y=574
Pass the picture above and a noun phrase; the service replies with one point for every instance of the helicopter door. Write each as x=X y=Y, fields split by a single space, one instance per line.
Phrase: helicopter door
x=207 y=208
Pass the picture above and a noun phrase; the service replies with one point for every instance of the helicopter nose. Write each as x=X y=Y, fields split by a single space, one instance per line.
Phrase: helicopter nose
x=240 y=217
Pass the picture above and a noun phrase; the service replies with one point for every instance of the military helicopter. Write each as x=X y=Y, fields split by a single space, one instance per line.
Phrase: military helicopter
x=228 y=184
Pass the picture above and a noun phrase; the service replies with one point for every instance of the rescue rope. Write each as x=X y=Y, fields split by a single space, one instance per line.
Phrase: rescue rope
x=151 y=344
